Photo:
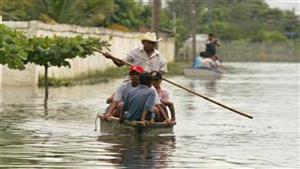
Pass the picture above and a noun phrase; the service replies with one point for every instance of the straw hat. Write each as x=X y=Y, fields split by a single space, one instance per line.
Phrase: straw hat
x=150 y=36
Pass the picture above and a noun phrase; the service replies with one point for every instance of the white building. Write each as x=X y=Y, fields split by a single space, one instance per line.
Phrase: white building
x=186 y=51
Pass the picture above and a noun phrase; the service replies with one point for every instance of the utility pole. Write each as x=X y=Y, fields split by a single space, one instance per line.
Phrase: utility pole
x=155 y=16
x=193 y=27
x=174 y=22
x=1 y=80
x=174 y=31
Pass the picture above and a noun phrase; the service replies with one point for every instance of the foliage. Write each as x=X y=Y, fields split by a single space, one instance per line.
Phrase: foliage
x=225 y=30
x=129 y=14
x=118 y=27
x=56 y=50
x=253 y=21
x=15 y=9
x=80 y=12
x=16 y=49
x=275 y=36
x=12 y=47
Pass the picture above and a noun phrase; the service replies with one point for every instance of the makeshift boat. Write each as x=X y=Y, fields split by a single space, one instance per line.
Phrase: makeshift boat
x=202 y=72
x=115 y=127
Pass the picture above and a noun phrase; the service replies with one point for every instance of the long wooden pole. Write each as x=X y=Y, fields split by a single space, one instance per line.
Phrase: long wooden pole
x=186 y=89
x=206 y=98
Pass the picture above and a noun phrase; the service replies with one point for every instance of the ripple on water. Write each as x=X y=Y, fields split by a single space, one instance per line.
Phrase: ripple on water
x=206 y=135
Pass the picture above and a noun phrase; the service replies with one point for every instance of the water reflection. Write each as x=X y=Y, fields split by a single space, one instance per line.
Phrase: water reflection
x=210 y=86
x=135 y=151
x=207 y=135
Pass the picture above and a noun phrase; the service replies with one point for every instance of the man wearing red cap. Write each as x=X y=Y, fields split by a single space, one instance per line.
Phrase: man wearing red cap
x=119 y=96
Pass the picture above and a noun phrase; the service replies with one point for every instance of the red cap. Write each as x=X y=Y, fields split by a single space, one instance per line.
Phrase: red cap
x=136 y=68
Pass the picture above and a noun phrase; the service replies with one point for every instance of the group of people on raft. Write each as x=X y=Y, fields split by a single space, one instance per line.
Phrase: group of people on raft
x=141 y=97
x=208 y=59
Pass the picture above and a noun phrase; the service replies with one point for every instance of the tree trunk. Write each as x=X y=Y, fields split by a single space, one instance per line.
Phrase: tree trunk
x=46 y=87
x=155 y=18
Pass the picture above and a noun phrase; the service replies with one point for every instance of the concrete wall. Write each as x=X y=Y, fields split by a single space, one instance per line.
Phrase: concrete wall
x=121 y=43
x=186 y=52
x=27 y=77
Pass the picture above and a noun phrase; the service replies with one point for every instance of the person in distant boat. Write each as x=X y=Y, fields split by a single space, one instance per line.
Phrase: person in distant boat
x=139 y=104
x=209 y=63
x=146 y=56
x=197 y=61
x=163 y=95
x=217 y=63
x=211 y=45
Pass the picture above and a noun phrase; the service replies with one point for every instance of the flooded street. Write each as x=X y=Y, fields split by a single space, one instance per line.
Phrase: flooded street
x=206 y=135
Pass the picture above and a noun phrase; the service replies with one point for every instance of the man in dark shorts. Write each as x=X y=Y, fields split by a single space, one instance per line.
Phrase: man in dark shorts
x=211 y=45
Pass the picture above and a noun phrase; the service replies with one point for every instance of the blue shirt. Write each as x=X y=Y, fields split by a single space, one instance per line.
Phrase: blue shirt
x=197 y=62
x=138 y=100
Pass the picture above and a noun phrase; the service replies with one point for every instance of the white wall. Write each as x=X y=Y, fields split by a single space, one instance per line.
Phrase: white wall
x=121 y=43
x=27 y=77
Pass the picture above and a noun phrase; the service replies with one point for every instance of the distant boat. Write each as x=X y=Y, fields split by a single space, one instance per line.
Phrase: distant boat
x=134 y=127
x=202 y=72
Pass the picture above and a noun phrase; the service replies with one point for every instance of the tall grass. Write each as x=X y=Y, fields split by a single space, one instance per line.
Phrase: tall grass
x=91 y=77
x=260 y=52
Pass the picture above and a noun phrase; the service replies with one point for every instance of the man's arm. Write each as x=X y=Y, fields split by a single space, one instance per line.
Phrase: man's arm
x=111 y=108
x=163 y=112
x=171 y=107
x=116 y=61
x=110 y=99
x=125 y=108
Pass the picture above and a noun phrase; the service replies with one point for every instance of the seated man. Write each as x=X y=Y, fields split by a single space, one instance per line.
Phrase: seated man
x=139 y=104
x=217 y=62
x=163 y=95
x=209 y=63
x=116 y=100
x=197 y=62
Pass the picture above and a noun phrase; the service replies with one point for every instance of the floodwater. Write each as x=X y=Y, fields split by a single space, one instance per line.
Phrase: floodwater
x=206 y=135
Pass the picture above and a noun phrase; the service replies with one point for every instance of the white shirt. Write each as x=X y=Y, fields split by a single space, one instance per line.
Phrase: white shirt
x=208 y=62
x=156 y=62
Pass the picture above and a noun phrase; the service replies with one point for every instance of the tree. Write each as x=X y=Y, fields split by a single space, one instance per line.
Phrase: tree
x=57 y=51
x=274 y=36
x=15 y=9
x=80 y=12
x=235 y=19
x=129 y=14
x=13 y=49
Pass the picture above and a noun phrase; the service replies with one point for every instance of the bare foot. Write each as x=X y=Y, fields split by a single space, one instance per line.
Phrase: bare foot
x=168 y=122
x=144 y=123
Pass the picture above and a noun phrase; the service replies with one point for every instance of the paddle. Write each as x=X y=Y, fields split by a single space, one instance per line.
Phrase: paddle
x=186 y=89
